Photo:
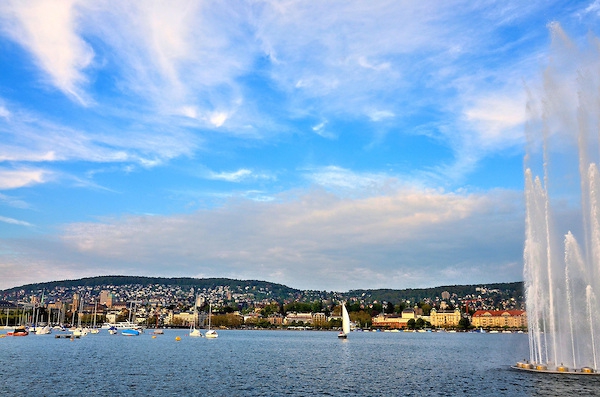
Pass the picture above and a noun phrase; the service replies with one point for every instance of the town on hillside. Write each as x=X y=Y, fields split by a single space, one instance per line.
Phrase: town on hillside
x=248 y=304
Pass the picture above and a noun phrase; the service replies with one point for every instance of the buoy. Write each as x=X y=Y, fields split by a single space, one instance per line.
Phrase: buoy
x=153 y=336
x=177 y=338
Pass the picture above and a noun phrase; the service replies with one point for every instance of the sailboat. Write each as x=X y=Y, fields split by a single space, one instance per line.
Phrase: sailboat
x=345 y=323
x=80 y=331
x=211 y=333
x=94 y=329
x=193 y=330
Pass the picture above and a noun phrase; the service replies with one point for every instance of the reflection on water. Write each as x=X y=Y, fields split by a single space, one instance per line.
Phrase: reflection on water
x=275 y=363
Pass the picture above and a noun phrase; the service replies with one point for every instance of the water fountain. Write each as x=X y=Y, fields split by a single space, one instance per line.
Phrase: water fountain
x=562 y=271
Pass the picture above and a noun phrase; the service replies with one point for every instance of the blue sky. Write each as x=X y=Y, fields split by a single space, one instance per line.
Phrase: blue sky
x=323 y=145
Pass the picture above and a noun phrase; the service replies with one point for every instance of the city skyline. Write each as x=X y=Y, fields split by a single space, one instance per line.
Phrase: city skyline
x=330 y=146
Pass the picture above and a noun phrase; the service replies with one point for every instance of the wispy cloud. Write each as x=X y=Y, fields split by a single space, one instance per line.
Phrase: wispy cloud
x=235 y=176
x=12 y=179
x=336 y=178
x=27 y=137
x=14 y=221
x=48 y=30
x=13 y=201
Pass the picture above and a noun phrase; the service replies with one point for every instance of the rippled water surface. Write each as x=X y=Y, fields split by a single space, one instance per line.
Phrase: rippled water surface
x=278 y=363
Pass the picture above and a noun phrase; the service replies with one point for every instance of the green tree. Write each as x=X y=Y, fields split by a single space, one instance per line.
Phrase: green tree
x=361 y=318
x=420 y=323
x=376 y=309
x=270 y=309
x=411 y=323
x=464 y=323
x=389 y=308
x=317 y=307
x=400 y=306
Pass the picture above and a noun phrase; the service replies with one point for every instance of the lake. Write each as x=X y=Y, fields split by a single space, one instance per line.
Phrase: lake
x=279 y=363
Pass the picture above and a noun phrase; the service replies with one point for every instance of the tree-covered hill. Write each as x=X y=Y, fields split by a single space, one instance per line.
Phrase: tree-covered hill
x=279 y=291
x=509 y=290
x=183 y=282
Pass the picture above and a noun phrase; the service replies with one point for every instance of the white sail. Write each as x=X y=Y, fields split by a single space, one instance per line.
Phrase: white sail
x=211 y=333
x=345 y=320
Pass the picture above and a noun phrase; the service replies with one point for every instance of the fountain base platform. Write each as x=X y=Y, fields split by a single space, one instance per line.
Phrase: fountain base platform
x=561 y=370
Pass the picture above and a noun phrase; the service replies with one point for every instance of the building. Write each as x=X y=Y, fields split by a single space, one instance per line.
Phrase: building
x=106 y=298
x=275 y=319
x=389 y=321
x=444 y=318
x=319 y=319
x=298 y=318
x=397 y=321
x=499 y=319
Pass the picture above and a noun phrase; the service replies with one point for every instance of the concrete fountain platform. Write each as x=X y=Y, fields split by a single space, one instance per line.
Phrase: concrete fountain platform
x=561 y=370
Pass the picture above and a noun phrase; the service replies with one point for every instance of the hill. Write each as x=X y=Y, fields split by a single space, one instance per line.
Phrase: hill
x=277 y=291
x=182 y=282
x=507 y=290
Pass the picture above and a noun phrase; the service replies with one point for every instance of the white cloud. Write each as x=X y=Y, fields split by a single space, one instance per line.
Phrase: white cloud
x=13 y=179
x=362 y=61
x=593 y=7
x=218 y=119
x=48 y=30
x=14 y=221
x=497 y=121
x=29 y=138
x=4 y=112
x=180 y=59
x=334 y=177
x=378 y=115
x=235 y=176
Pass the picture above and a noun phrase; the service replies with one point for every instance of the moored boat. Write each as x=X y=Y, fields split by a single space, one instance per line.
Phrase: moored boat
x=130 y=332
x=211 y=333
x=19 y=331
x=193 y=330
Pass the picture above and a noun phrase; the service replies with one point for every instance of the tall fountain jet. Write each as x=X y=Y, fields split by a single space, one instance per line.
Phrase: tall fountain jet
x=562 y=197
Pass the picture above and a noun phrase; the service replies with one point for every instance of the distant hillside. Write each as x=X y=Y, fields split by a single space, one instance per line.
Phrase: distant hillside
x=279 y=291
x=509 y=290
x=184 y=282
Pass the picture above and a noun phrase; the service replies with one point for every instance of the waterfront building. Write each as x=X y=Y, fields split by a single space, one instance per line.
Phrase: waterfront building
x=275 y=319
x=319 y=319
x=444 y=318
x=305 y=318
x=499 y=319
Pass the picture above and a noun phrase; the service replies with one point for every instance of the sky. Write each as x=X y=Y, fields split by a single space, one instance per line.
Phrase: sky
x=322 y=145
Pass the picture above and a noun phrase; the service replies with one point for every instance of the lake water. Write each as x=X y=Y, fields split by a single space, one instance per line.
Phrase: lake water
x=278 y=363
